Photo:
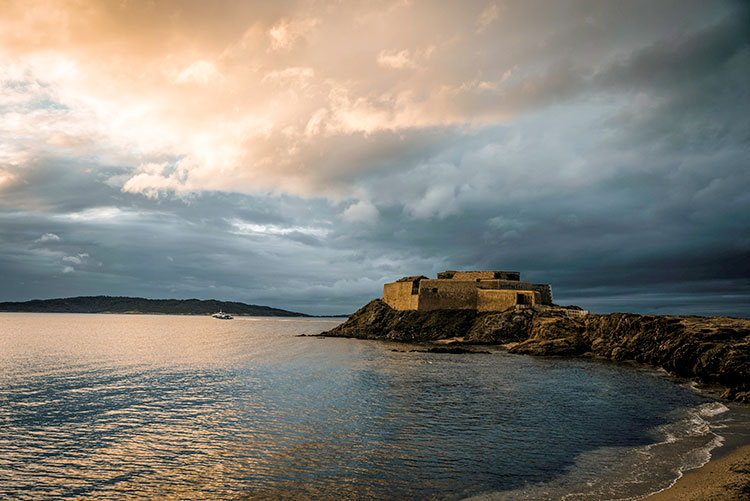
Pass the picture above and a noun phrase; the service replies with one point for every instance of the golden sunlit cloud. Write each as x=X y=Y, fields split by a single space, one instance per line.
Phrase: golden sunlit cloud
x=248 y=98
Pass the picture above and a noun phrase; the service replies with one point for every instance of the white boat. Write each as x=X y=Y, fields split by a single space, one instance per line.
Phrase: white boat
x=222 y=316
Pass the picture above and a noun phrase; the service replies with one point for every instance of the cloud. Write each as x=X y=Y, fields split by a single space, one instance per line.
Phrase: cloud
x=151 y=185
x=244 y=228
x=287 y=32
x=77 y=260
x=96 y=214
x=487 y=17
x=438 y=200
x=395 y=59
x=6 y=178
x=259 y=94
x=48 y=237
x=199 y=72
x=361 y=212
x=289 y=76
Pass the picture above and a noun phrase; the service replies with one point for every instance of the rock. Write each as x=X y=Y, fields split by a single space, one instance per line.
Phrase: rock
x=549 y=347
x=377 y=320
x=500 y=328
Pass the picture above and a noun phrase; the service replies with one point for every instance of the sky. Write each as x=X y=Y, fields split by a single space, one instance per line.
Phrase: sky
x=300 y=154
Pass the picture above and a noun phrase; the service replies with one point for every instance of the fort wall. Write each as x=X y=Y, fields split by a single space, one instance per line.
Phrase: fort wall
x=447 y=295
x=504 y=284
x=501 y=300
x=545 y=292
x=479 y=275
x=398 y=295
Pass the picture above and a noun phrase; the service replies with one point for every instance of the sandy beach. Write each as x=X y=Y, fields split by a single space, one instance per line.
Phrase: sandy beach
x=725 y=478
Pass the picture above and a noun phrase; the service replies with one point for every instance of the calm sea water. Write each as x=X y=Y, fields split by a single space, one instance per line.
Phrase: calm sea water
x=169 y=407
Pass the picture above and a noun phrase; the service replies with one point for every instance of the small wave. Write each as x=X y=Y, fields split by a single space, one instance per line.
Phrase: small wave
x=702 y=456
x=692 y=425
x=711 y=409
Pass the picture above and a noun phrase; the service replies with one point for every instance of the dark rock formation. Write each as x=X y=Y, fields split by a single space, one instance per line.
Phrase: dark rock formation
x=377 y=320
x=711 y=350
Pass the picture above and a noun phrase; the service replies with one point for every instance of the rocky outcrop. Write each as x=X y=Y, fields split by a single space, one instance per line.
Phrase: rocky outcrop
x=711 y=350
x=377 y=320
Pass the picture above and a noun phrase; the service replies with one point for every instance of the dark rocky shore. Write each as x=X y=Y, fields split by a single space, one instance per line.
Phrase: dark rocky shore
x=711 y=350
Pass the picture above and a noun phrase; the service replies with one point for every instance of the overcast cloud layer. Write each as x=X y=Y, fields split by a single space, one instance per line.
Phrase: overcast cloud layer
x=300 y=154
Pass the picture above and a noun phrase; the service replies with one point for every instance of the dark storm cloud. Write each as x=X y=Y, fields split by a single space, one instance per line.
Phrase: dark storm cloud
x=263 y=249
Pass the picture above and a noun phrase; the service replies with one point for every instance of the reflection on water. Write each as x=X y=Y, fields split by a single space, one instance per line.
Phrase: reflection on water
x=127 y=407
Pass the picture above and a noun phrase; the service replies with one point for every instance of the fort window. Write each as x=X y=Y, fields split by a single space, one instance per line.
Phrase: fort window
x=415 y=287
x=522 y=299
x=434 y=290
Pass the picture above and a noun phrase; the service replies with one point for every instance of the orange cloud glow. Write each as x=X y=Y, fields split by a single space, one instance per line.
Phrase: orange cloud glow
x=247 y=97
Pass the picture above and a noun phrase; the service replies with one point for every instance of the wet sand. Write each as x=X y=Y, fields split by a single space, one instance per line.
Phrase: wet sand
x=721 y=479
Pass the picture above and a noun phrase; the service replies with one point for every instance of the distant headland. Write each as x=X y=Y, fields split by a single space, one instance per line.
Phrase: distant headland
x=496 y=308
x=139 y=305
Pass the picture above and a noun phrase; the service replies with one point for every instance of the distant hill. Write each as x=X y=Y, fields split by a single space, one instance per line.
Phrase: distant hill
x=109 y=304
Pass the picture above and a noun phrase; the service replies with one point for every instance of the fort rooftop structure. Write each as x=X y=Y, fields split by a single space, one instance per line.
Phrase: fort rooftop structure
x=466 y=290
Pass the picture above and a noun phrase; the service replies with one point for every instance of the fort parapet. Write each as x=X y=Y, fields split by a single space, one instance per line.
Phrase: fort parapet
x=465 y=290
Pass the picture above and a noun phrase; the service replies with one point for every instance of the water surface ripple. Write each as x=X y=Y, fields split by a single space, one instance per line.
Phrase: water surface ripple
x=169 y=407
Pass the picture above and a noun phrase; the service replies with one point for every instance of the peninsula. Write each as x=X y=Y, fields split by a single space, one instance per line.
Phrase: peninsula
x=139 y=305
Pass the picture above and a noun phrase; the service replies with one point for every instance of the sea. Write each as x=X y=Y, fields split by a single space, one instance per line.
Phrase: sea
x=126 y=407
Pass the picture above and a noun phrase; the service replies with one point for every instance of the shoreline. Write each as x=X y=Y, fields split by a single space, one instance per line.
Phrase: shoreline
x=725 y=476
x=726 y=473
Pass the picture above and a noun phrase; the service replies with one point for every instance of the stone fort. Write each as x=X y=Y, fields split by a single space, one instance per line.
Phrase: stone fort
x=466 y=290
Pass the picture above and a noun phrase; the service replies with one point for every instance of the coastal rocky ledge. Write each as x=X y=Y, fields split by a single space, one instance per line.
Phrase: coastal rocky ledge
x=711 y=350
